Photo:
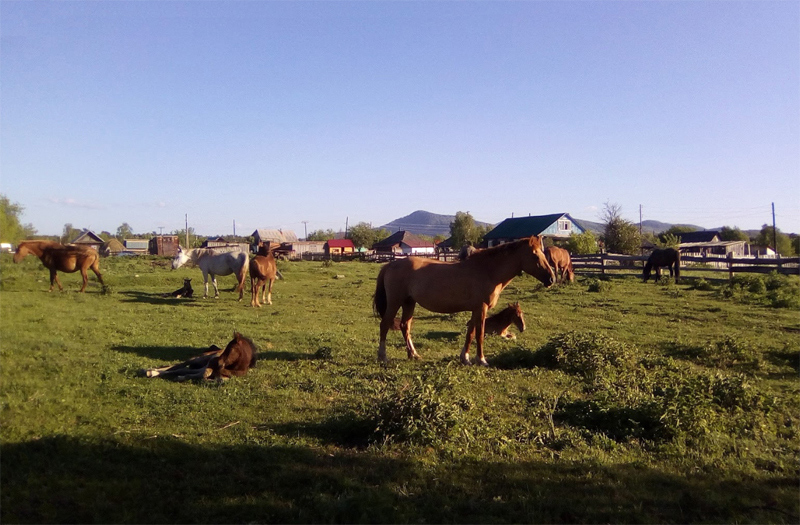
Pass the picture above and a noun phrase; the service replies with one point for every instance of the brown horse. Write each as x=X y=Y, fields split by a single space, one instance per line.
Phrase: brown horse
x=472 y=285
x=561 y=263
x=215 y=363
x=262 y=271
x=669 y=257
x=57 y=257
x=499 y=323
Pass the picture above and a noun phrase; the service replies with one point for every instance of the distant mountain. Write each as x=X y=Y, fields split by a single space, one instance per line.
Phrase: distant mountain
x=425 y=223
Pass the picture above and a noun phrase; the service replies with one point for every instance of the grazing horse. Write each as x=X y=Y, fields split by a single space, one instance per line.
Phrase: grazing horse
x=472 y=285
x=669 y=257
x=214 y=263
x=262 y=271
x=57 y=257
x=236 y=359
x=499 y=323
x=561 y=263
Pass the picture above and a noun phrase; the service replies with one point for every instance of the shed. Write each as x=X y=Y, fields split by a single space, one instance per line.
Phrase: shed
x=301 y=249
x=266 y=237
x=138 y=246
x=556 y=226
x=339 y=247
x=699 y=236
x=89 y=239
x=406 y=243
x=166 y=245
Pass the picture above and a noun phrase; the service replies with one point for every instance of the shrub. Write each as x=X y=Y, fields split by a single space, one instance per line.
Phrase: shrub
x=600 y=286
x=422 y=411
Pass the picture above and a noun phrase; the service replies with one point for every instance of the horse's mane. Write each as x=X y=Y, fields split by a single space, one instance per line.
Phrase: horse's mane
x=500 y=249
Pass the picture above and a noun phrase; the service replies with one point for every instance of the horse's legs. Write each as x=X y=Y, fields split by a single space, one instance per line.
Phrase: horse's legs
x=205 y=284
x=85 y=276
x=254 y=292
x=216 y=288
x=405 y=328
x=96 y=269
x=480 y=325
x=241 y=278
x=54 y=280
x=470 y=334
x=658 y=273
x=268 y=288
x=386 y=324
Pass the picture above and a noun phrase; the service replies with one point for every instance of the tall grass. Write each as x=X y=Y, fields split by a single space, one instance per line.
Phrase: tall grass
x=640 y=403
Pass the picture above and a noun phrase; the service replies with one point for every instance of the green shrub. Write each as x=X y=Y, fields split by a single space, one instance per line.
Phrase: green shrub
x=702 y=285
x=598 y=285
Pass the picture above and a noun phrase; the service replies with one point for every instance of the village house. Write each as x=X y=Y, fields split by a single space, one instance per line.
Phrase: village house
x=336 y=247
x=555 y=226
x=270 y=238
x=89 y=239
x=406 y=243
x=706 y=243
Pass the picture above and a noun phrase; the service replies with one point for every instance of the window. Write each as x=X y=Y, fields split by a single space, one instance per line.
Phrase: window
x=564 y=225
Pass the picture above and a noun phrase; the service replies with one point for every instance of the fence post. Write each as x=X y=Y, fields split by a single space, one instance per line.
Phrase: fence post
x=602 y=263
x=730 y=266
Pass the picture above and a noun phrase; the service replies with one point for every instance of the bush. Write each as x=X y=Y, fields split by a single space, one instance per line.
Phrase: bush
x=600 y=286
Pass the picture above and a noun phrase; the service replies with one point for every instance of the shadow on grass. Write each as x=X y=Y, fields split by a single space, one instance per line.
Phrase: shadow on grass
x=155 y=298
x=521 y=358
x=164 y=480
x=166 y=353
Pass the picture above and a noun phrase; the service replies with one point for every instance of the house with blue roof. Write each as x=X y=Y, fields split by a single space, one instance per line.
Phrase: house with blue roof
x=556 y=226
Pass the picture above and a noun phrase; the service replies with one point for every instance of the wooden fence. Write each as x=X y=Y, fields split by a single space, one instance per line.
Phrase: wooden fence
x=607 y=262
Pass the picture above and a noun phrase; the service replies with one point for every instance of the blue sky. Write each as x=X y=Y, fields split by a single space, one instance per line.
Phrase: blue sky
x=274 y=113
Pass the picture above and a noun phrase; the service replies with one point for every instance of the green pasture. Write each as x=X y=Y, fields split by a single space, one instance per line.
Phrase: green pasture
x=622 y=402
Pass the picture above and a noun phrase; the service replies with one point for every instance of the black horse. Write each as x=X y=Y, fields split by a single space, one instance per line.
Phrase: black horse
x=669 y=257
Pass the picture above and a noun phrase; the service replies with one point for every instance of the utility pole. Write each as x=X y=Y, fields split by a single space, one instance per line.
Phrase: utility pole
x=234 y=227
x=774 y=232
x=187 y=231
x=641 y=248
x=346 y=226
x=305 y=229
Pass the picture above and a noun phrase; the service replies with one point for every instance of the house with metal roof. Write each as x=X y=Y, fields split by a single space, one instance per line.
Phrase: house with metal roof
x=272 y=237
x=339 y=246
x=89 y=239
x=403 y=242
x=557 y=226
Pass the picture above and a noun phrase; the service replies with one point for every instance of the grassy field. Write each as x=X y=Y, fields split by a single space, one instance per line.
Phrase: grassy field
x=621 y=402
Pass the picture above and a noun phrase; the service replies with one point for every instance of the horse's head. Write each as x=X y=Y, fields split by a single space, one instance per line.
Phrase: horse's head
x=537 y=265
x=22 y=251
x=180 y=258
x=519 y=317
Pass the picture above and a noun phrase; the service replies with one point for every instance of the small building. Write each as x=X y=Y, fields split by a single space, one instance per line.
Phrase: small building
x=137 y=246
x=339 y=247
x=715 y=249
x=263 y=237
x=699 y=236
x=214 y=242
x=406 y=243
x=301 y=250
x=89 y=239
x=166 y=245
x=555 y=226
x=111 y=247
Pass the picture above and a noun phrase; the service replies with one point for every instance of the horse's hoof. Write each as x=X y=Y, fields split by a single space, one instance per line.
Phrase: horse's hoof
x=482 y=362
x=465 y=360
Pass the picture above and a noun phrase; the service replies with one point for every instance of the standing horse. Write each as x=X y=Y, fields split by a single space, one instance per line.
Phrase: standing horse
x=214 y=263
x=263 y=270
x=472 y=285
x=561 y=263
x=669 y=257
x=57 y=257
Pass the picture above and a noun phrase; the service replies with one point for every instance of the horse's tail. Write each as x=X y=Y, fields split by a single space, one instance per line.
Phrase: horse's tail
x=379 y=301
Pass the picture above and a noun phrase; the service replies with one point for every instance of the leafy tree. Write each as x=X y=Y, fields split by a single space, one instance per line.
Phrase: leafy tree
x=69 y=233
x=124 y=231
x=364 y=235
x=11 y=230
x=668 y=240
x=463 y=230
x=765 y=238
x=620 y=235
x=795 y=244
x=582 y=243
x=320 y=235
x=194 y=240
x=732 y=234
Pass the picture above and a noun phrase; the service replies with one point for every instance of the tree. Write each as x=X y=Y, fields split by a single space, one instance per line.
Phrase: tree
x=620 y=235
x=69 y=233
x=194 y=240
x=582 y=243
x=795 y=243
x=732 y=234
x=463 y=230
x=124 y=231
x=11 y=230
x=766 y=238
x=364 y=235
x=320 y=235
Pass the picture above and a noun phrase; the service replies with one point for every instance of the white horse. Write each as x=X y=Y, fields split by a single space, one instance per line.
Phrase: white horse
x=214 y=263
